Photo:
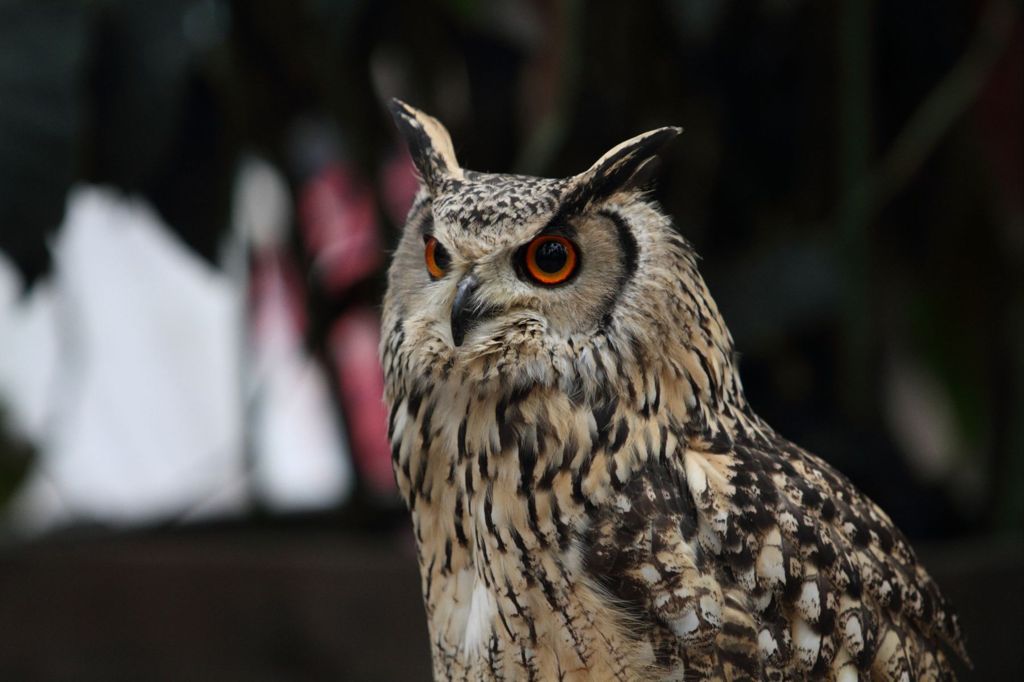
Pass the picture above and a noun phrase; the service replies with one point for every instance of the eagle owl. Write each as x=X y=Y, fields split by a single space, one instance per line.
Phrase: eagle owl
x=591 y=494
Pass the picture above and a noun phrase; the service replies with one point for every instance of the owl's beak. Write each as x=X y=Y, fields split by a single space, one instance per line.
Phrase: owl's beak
x=466 y=310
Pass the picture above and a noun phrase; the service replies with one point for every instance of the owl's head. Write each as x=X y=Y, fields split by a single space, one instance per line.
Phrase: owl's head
x=499 y=271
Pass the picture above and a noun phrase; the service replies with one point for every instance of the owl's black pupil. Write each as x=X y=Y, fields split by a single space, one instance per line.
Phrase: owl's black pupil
x=551 y=256
x=441 y=256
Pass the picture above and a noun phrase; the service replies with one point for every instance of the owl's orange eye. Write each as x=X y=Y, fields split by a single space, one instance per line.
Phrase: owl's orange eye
x=436 y=257
x=550 y=259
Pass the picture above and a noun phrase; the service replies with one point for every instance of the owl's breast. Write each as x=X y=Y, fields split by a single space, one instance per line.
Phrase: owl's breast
x=517 y=610
x=494 y=486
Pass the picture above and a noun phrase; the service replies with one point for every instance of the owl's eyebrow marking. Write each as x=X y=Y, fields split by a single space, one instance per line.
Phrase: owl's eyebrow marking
x=570 y=207
x=630 y=257
x=427 y=225
x=630 y=249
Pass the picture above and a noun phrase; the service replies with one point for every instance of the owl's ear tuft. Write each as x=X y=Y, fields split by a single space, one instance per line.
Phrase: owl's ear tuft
x=628 y=164
x=429 y=144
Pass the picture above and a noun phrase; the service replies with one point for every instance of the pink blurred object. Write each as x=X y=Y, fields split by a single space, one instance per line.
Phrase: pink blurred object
x=276 y=286
x=353 y=347
x=338 y=223
x=299 y=458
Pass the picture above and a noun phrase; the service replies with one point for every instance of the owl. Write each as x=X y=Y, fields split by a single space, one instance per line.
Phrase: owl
x=592 y=496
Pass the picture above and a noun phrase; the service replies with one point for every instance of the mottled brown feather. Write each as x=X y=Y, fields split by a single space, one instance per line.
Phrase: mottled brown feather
x=591 y=494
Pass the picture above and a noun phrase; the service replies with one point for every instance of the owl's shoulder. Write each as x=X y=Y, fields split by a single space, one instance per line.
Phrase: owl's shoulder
x=753 y=546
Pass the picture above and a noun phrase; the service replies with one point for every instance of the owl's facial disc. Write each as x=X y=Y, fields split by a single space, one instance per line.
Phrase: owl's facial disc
x=500 y=288
x=501 y=262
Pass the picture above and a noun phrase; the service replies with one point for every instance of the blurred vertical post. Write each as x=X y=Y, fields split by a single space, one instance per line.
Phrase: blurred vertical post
x=854 y=44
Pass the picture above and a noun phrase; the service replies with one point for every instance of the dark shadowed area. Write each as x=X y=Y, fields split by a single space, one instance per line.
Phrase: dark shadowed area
x=197 y=202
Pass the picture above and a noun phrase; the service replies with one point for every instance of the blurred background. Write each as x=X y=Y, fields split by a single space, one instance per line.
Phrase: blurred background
x=197 y=198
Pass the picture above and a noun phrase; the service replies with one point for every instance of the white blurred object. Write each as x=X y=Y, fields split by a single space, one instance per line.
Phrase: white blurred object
x=142 y=412
x=300 y=461
x=922 y=418
x=261 y=207
x=130 y=370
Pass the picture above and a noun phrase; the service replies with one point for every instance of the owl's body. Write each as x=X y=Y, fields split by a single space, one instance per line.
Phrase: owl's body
x=592 y=496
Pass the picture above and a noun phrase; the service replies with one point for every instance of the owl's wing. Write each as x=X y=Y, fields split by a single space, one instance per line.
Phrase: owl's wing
x=753 y=558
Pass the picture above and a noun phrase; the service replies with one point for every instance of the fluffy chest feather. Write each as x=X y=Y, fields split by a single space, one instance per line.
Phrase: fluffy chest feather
x=497 y=489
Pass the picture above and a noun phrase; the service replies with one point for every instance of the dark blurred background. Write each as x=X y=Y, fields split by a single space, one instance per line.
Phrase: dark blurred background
x=196 y=202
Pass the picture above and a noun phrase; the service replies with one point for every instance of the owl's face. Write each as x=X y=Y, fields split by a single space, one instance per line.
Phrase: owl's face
x=496 y=269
